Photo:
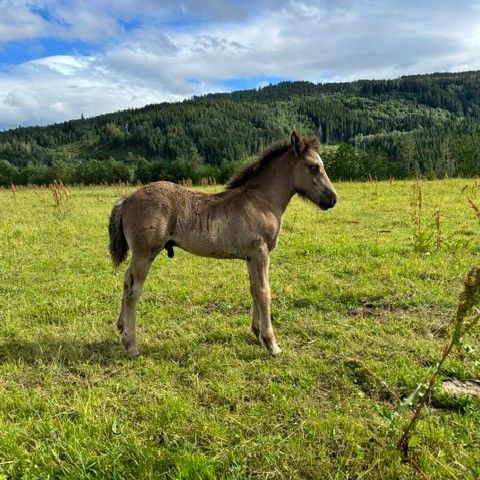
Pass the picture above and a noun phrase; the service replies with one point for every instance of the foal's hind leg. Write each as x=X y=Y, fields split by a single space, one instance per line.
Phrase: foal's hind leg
x=132 y=290
x=256 y=318
x=258 y=269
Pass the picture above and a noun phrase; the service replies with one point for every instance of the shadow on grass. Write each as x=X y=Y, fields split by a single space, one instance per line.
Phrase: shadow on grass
x=69 y=351
x=65 y=351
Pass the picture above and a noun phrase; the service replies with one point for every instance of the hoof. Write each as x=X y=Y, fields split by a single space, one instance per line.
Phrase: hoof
x=133 y=353
x=270 y=345
x=275 y=350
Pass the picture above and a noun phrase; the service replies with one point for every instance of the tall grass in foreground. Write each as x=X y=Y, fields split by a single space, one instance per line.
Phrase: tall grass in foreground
x=465 y=320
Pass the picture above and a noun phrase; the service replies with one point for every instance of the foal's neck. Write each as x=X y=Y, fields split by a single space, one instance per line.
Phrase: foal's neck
x=275 y=183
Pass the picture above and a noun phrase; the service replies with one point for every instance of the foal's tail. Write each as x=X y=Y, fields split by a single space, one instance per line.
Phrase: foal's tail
x=118 y=242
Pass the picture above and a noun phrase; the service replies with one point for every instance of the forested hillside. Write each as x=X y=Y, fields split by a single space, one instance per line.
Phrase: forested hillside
x=415 y=125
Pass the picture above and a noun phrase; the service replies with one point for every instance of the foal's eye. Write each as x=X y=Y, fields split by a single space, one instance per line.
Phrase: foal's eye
x=314 y=169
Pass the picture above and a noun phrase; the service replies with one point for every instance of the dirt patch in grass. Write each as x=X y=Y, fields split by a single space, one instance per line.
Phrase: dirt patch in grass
x=457 y=387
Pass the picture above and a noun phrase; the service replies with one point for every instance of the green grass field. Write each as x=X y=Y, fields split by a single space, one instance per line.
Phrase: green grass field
x=360 y=311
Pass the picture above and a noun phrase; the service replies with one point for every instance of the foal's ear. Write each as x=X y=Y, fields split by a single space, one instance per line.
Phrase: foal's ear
x=297 y=143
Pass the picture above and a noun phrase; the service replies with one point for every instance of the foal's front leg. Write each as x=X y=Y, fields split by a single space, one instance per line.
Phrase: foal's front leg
x=258 y=265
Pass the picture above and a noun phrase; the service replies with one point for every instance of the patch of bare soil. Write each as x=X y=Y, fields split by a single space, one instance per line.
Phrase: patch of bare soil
x=457 y=387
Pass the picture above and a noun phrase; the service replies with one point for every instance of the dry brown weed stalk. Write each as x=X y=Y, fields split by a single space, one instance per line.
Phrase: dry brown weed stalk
x=474 y=206
x=60 y=193
x=466 y=318
x=186 y=182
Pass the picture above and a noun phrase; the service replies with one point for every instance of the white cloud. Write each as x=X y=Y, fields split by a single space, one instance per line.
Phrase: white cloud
x=300 y=41
x=65 y=65
x=159 y=61
x=59 y=107
x=17 y=21
x=59 y=88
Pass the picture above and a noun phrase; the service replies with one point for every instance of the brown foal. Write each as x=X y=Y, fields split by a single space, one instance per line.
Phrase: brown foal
x=241 y=222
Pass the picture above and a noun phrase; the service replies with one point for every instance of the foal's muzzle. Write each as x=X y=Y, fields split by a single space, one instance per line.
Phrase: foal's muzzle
x=328 y=200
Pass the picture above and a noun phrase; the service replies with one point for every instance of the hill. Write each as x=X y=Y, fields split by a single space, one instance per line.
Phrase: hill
x=421 y=124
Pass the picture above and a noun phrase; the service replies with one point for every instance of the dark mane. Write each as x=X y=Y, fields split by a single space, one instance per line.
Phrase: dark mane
x=279 y=148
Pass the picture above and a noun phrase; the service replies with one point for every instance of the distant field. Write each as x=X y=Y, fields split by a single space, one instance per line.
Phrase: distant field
x=361 y=312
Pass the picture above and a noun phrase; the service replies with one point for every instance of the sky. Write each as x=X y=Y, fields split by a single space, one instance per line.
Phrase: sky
x=60 y=59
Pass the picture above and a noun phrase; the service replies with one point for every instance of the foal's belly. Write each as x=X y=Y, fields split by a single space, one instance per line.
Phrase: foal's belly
x=211 y=253
x=207 y=249
x=208 y=244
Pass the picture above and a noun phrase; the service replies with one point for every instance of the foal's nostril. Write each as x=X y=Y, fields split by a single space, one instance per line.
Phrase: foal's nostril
x=328 y=200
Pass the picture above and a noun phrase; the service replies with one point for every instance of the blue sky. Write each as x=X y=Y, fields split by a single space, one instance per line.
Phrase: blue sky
x=60 y=59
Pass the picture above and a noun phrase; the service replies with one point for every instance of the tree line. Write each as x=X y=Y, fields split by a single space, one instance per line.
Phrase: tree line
x=111 y=171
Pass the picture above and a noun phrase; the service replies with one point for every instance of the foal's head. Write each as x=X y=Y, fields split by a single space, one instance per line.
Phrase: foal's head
x=309 y=176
